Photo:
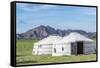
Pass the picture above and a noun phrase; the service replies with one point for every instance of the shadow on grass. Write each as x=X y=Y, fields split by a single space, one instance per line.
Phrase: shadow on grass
x=23 y=62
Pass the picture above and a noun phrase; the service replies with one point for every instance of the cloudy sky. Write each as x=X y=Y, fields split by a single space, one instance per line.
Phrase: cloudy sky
x=29 y=16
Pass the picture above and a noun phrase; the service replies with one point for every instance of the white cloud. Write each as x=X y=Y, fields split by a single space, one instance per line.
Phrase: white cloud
x=47 y=6
x=34 y=7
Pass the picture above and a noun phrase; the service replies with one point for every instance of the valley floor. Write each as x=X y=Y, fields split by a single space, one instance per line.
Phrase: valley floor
x=24 y=55
x=43 y=59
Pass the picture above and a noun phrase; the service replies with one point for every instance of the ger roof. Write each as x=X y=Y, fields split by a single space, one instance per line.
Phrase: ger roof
x=48 y=40
x=73 y=37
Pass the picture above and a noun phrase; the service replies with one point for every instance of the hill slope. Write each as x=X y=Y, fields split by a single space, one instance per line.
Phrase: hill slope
x=41 y=32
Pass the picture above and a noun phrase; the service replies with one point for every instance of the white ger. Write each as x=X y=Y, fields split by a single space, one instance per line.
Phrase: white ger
x=72 y=44
x=44 y=46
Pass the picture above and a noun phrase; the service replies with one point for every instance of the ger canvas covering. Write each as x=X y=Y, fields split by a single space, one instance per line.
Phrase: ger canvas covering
x=51 y=33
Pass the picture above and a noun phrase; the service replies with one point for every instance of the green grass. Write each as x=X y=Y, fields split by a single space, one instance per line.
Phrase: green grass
x=24 y=55
x=24 y=47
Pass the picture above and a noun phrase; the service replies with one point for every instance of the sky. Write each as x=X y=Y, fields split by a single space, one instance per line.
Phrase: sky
x=29 y=16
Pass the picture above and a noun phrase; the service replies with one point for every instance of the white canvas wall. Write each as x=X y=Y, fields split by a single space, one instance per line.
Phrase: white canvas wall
x=88 y=48
x=44 y=49
x=49 y=49
x=58 y=51
x=66 y=49
x=34 y=51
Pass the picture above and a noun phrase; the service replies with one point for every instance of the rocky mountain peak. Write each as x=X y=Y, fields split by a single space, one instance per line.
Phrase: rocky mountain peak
x=42 y=31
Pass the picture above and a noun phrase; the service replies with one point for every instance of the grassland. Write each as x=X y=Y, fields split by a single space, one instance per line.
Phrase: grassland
x=24 y=55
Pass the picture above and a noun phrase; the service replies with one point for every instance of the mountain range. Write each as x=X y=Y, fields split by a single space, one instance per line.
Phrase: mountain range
x=42 y=31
